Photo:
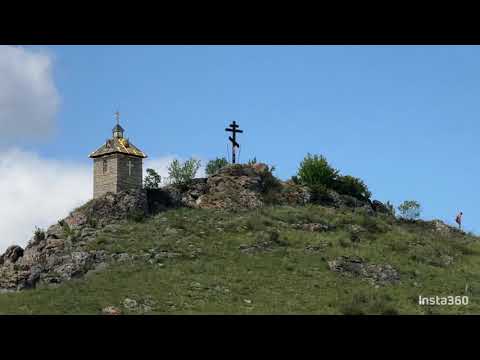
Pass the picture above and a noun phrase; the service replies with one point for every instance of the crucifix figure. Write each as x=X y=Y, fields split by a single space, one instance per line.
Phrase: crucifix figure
x=130 y=165
x=233 y=129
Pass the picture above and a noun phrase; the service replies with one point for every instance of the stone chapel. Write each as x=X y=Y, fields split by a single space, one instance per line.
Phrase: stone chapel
x=117 y=164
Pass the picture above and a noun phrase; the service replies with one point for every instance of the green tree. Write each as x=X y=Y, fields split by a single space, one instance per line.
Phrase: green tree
x=349 y=185
x=315 y=171
x=214 y=165
x=410 y=209
x=183 y=174
x=152 y=180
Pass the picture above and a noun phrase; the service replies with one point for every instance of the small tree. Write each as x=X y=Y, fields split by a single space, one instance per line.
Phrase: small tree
x=183 y=174
x=315 y=170
x=152 y=180
x=214 y=165
x=410 y=210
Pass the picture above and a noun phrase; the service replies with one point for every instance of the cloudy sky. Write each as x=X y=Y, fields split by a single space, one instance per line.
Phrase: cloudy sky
x=403 y=118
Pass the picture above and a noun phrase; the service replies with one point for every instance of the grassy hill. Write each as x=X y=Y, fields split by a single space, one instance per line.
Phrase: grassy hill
x=264 y=261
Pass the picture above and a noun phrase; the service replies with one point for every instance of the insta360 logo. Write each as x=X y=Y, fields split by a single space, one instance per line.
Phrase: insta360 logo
x=443 y=300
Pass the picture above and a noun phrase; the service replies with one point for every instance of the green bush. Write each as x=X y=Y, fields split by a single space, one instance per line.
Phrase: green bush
x=39 y=234
x=152 y=180
x=314 y=170
x=349 y=185
x=214 y=165
x=410 y=210
x=316 y=173
x=183 y=174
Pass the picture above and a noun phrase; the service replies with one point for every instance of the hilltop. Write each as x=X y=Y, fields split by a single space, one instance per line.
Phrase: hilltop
x=239 y=241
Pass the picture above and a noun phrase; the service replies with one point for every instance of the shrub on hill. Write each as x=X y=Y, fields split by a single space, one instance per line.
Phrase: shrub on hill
x=315 y=170
x=152 y=180
x=410 y=210
x=316 y=173
x=349 y=185
x=183 y=174
x=214 y=165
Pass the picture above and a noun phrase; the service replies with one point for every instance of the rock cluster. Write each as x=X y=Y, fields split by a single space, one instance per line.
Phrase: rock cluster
x=442 y=228
x=354 y=266
x=61 y=253
x=244 y=186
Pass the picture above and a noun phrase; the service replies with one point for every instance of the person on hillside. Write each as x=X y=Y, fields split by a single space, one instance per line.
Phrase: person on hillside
x=458 y=219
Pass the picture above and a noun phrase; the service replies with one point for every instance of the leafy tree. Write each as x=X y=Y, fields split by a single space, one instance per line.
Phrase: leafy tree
x=349 y=185
x=183 y=174
x=410 y=209
x=214 y=165
x=152 y=180
x=315 y=170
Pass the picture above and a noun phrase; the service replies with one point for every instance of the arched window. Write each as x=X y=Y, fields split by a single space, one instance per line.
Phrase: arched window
x=105 y=166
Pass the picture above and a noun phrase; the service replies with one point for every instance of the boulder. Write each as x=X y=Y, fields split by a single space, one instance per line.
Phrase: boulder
x=11 y=255
x=109 y=208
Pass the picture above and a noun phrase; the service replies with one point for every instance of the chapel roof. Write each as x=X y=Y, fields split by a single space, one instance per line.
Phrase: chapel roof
x=118 y=144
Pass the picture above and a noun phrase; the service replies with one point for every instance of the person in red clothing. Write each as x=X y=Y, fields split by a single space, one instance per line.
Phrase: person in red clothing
x=458 y=219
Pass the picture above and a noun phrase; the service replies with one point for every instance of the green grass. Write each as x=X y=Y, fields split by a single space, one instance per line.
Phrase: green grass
x=212 y=276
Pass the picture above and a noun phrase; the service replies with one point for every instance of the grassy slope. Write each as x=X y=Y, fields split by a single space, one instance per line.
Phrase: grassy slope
x=288 y=279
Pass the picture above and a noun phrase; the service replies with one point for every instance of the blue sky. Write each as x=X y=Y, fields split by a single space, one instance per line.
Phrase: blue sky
x=405 y=119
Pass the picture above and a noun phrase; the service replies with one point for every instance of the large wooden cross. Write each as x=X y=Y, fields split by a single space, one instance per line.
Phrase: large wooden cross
x=130 y=165
x=233 y=129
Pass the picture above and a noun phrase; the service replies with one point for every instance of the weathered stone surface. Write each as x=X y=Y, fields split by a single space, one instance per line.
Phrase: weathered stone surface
x=11 y=255
x=442 y=228
x=109 y=208
x=265 y=242
x=313 y=227
x=111 y=310
x=354 y=266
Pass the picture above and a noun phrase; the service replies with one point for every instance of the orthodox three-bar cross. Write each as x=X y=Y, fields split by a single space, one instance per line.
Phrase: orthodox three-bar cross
x=233 y=129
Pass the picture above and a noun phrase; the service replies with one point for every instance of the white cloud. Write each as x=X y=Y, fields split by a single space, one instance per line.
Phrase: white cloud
x=37 y=192
x=28 y=97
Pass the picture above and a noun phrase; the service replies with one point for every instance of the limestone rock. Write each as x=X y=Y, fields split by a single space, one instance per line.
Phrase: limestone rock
x=11 y=255
x=111 y=310
x=380 y=207
x=354 y=266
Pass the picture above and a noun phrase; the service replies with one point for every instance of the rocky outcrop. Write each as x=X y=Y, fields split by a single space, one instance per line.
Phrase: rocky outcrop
x=109 y=208
x=379 y=207
x=61 y=253
x=440 y=227
x=11 y=255
x=237 y=186
x=357 y=267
